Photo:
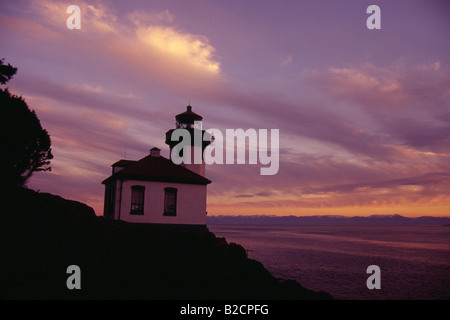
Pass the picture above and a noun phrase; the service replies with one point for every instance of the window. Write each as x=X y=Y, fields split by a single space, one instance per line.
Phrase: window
x=137 y=200
x=170 y=201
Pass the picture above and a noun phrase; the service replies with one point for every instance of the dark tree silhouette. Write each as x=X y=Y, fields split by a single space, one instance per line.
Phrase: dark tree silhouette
x=24 y=145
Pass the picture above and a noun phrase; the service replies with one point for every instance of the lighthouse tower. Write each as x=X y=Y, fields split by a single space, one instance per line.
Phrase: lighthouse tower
x=199 y=139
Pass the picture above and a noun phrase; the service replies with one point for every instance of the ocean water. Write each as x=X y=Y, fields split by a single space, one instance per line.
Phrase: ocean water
x=414 y=261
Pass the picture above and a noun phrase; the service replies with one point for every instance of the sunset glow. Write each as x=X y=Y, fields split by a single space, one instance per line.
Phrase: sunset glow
x=363 y=115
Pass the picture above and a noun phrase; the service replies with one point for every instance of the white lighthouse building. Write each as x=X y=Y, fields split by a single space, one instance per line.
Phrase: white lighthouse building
x=156 y=190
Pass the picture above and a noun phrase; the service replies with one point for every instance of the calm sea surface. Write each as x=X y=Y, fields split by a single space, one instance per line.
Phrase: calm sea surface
x=414 y=260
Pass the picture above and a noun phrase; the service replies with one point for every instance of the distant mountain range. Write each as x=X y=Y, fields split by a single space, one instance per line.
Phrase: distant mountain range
x=328 y=220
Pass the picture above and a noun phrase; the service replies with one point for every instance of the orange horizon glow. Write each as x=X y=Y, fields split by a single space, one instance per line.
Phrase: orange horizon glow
x=217 y=209
x=410 y=212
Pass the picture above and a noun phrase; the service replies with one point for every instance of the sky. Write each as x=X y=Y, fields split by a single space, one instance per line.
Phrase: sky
x=363 y=114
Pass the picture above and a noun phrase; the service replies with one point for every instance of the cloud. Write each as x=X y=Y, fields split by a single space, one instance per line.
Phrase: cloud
x=287 y=61
x=426 y=190
x=181 y=47
x=408 y=106
x=144 y=44
x=97 y=89
x=351 y=135
x=322 y=123
x=150 y=17
x=244 y=196
x=308 y=181
x=96 y=18
x=374 y=138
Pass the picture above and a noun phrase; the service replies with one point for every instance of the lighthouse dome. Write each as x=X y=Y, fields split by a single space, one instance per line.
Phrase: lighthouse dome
x=187 y=118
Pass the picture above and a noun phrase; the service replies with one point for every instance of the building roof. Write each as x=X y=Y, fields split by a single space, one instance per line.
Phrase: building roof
x=123 y=163
x=155 y=168
x=188 y=116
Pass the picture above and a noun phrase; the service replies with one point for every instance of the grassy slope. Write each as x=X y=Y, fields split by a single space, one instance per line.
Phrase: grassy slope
x=43 y=234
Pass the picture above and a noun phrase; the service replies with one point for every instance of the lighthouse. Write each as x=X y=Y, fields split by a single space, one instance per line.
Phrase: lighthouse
x=198 y=140
x=156 y=190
